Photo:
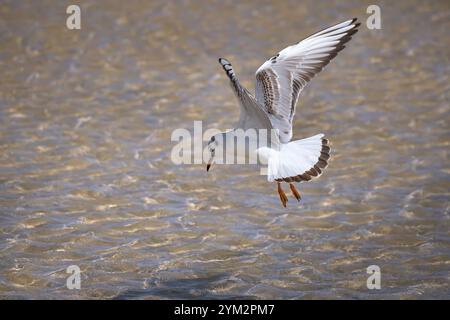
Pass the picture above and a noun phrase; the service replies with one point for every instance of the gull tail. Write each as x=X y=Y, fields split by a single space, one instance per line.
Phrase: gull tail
x=296 y=161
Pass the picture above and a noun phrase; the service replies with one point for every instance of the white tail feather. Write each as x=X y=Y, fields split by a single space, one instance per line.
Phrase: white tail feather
x=296 y=158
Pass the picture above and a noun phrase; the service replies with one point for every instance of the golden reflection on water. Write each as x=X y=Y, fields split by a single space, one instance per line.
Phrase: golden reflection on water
x=86 y=178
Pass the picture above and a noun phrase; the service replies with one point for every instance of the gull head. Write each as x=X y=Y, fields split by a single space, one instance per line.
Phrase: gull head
x=216 y=147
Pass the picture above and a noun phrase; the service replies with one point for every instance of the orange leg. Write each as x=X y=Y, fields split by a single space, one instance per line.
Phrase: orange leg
x=282 y=195
x=295 y=191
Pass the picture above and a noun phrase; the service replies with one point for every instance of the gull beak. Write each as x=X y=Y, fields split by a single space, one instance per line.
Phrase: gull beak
x=209 y=164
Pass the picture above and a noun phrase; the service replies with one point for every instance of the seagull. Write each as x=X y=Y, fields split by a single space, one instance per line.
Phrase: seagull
x=279 y=82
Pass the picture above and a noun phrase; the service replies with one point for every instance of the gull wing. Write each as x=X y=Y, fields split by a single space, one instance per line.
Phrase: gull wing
x=253 y=114
x=280 y=79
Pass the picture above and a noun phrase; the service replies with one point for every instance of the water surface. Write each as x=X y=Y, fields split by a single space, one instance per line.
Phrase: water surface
x=86 y=178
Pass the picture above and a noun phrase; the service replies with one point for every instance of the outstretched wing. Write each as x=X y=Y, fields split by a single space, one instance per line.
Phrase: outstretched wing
x=280 y=79
x=252 y=113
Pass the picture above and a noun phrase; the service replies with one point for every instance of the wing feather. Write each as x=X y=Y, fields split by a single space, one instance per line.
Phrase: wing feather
x=253 y=114
x=281 y=79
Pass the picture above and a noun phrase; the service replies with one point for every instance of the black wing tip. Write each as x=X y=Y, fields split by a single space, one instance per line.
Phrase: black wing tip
x=356 y=25
x=224 y=61
x=228 y=68
x=348 y=35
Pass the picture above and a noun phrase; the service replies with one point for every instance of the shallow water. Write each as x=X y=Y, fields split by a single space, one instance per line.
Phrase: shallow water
x=86 y=177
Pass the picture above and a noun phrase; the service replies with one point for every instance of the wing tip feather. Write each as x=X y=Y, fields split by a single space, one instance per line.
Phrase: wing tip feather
x=223 y=61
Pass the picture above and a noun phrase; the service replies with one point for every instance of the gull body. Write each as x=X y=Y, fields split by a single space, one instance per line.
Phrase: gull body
x=279 y=83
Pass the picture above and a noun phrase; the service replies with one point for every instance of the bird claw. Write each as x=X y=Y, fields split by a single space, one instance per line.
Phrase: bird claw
x=295 y=192
x=282 y=195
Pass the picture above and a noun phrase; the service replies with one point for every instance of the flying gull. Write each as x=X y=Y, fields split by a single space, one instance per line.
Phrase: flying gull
x=279 y=82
